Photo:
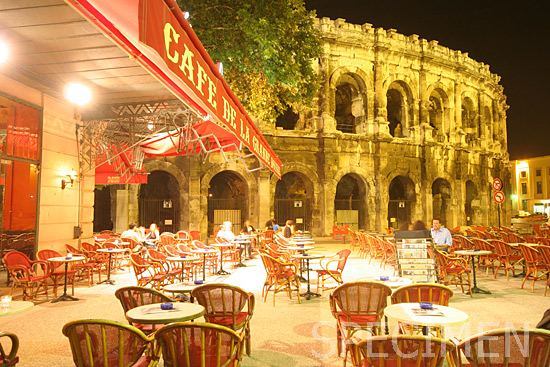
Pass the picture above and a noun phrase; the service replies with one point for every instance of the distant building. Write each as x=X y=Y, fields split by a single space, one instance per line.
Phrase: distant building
x=530 y=191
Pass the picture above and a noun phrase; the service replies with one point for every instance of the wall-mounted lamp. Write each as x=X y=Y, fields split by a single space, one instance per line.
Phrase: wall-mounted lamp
x=68 y=179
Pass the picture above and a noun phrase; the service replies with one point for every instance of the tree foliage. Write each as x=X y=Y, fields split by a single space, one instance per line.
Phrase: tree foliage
x=267 y=48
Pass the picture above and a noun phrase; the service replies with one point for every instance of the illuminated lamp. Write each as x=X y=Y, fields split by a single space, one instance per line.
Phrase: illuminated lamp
x=78 y=93
x=69 y=178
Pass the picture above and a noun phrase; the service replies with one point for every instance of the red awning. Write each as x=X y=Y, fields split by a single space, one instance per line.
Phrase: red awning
x=155 y=33
x=205 y=136
x=119 y=170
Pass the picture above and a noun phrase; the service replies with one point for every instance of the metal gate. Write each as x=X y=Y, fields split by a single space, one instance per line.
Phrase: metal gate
x=293 y=209
x=159 y=211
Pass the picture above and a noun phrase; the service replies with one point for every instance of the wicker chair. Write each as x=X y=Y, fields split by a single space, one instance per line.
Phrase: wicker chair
x=147 y=272
x=508 y=258
x=403 y=351
x=109 y=343
x=357 y=306
x=225 y=305
x=326 y=273
x=508 y=347
x=195 y=344
x=281 y=277
x=9 y=359
x=87 y=267
x=454 y=271
x=534 y=267
x=27 y=274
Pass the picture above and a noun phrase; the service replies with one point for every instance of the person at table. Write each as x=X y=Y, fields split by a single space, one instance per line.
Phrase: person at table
x=441 y=236
x=289 y=229
x=132 y=233
x=153 y=235
x=225 y=232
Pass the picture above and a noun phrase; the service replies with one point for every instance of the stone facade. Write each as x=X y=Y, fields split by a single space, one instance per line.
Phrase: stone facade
x=402 y=129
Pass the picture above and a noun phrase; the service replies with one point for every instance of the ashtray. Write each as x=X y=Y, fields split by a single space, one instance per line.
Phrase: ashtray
x=384 y=278
x=477 y=249
x=68 y=258
x=183 y=256
x=426 y=305
x=306 y=254
x=300 y=245
x=198 y=282
x=166 y=306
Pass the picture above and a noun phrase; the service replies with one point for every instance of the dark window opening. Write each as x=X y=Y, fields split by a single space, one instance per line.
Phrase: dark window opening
x=287 y=120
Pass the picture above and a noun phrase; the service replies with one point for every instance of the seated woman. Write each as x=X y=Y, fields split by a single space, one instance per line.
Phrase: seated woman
x=289 y=229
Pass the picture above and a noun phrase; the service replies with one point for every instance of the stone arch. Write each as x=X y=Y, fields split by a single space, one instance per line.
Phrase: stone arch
x=401 y=201
x=400 y=104
x=438 y=113
x=294 y=200
x=152 y=165
x=350 y=99
x=469 y=118
x=471 y=202
x=362 y=194
x=442 y=201
x=239 y=171
x=159 y=201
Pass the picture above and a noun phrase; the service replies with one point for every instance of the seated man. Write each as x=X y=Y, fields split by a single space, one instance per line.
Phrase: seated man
x=442 y=237
x=225 y=231
x=132 y=233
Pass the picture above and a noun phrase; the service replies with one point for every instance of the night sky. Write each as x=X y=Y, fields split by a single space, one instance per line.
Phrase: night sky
x=513 y=37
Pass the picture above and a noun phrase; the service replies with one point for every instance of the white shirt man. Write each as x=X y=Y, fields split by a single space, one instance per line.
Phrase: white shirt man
x=225 y=232
x=441 y=235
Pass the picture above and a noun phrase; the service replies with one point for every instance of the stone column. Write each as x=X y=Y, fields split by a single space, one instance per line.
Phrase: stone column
x=197 y=210
x=265 y=198
x=380 y=103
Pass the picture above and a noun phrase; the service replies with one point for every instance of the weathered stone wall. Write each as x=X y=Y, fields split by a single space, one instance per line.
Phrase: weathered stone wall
x=390 y=107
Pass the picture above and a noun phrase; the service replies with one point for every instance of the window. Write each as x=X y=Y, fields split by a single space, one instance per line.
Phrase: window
x=524 y=205
x=523 y=174
x=539 y=187
x=524 y=188
x=538 y=172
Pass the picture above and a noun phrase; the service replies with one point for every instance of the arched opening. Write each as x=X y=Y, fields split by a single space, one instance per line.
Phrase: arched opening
x=287 y=120
x=402 y=200
x=469 y=120
x=436 y=115
x=441 y=199
x=350 y=104
x=293 y=200
x=350 y=202
x=471 y=195
x=159 y=202
x=227 y=201
x=488 y=123
x=102 y=209
x=399 y=109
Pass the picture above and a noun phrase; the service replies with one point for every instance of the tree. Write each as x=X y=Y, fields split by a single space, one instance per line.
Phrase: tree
x=267 y=48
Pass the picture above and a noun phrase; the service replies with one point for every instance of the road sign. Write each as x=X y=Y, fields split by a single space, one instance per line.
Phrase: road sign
x=497 y=184
x=499 y=197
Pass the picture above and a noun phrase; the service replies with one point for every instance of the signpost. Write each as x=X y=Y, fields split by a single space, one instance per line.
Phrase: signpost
x=498 y=196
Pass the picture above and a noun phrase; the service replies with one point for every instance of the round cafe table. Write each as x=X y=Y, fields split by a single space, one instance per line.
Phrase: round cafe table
x=66 y=260
x=152 y=314
x=473 y=255
x=16 y=307
x=221 y=246
x=182 y=259
x=241 y=243
x=307 y=295
x=109 y=251
x=204 y=252
x=405 y=312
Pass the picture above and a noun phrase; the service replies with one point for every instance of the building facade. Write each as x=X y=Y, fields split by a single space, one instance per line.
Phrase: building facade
x=403 y=129
x=530 y=189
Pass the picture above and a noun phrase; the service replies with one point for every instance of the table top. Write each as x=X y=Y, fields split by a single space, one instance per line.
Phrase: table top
x=184 y=287
x=183 y=259
x=308 y=256
x=16 y=307
x=404 y=312
x=472 y=253
x=524 y=243
x=392 y=282
x=240 y=240
x=64 y=259
x=182 y=312
x=300 y=248
x=112 y=250
x=204 y=251
x=226 y=244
